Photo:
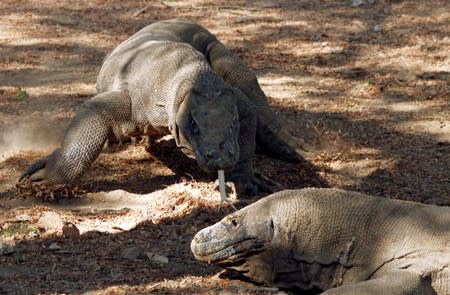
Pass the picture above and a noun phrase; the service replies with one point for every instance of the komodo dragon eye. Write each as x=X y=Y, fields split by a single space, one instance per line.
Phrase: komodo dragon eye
x=194 y=126
x=234 y=222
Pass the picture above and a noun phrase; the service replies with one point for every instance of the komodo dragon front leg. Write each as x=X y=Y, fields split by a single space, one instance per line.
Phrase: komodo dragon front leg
x=97 y=120
x=242 y=173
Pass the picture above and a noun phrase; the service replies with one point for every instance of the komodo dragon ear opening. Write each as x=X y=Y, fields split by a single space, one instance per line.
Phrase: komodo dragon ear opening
x=176 y=134
x=173 y=124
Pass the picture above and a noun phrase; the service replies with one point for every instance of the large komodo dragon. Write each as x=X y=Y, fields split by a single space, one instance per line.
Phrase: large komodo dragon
x=335 y=241
x=173 y=76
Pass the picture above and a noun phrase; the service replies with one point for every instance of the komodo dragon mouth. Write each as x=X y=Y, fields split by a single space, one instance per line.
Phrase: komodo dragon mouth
x=225 y=251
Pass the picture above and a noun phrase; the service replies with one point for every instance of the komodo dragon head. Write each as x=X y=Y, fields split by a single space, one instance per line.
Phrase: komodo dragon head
x=207 y=127
x=232 y=242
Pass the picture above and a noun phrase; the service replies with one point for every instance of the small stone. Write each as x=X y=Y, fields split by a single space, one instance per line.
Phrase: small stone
x=33 y=234
x=157 y=260
x=51 y=221
x=131 y=253
x=71 y=231
x=63 y=20
x=125 y=225
x=356 y=3
x=6 y=248
x=404 y=76
x=23 y=217
x=377 y=28
x=54 y=246
x=18 y=257
x=241 y=20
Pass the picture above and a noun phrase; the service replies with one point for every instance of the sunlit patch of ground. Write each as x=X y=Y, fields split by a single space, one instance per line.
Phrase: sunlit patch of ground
x=366 y=87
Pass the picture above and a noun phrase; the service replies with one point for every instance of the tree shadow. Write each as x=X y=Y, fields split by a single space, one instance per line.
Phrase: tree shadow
x=419 y=166
x=62 y=271
x=97 y=260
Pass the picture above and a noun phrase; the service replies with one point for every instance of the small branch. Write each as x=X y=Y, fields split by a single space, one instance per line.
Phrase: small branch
x=141 y=11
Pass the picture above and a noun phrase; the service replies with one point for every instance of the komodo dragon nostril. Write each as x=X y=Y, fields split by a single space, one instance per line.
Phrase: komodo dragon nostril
x=210 y=154
x=227 y=150
x=230 y=154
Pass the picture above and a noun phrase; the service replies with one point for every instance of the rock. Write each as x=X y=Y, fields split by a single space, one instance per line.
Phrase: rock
x=33 y=234
x=125 y=225
x=51 y=221
x=70 y=231
x=54 y=246
x=241 y=20
x=404 y=75
x=377 y=28
x=131 y=253
x=18 y=257
x=23 y=217
x=6 y=248
x=356 y=3
x=157 y=260
x=62 y=20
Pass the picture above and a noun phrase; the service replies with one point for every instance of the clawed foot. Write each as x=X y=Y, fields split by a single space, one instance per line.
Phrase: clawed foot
x=36 y=171
x=300 y=146
x=51 y=170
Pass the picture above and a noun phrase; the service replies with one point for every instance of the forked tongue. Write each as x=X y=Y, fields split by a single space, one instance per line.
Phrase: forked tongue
x=223 y=194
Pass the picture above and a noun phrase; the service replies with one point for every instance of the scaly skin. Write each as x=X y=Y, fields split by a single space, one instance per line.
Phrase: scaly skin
x=335 y=242
x=169 y=78
x=272 y=136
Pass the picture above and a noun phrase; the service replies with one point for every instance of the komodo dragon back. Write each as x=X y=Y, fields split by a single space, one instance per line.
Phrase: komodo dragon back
x=334 y=241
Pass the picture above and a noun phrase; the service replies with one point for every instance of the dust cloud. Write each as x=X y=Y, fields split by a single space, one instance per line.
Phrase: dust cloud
x=36 y=136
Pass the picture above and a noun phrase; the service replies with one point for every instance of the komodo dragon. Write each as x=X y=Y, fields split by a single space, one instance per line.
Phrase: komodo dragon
x=334 y=241
x=172 y=77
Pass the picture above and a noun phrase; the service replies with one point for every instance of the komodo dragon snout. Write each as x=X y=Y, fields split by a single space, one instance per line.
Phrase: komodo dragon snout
x=234 y=239
x=209 y=131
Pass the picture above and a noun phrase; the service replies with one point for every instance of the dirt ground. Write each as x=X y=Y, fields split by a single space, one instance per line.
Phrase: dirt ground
x=366 y=86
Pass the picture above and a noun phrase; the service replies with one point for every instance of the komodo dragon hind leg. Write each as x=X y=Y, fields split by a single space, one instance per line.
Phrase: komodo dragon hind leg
x=281 y=142
x=270 y=144
x=97 y=120
x=400 y=282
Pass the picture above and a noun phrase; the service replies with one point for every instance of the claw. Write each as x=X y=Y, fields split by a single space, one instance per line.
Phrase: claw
x=297 y=143
x=36 y=171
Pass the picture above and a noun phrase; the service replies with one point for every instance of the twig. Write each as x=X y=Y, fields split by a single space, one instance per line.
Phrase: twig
x=316 y=129
x=231 y=9
x=141 y=11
